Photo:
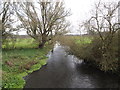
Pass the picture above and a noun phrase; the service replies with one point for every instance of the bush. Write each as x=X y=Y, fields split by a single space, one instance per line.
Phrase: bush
x=106 y=58
x=94 y=52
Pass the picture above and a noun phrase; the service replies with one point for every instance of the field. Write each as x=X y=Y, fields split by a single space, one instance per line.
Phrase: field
x=75 y=40
x=20 y=61
x=20 y=43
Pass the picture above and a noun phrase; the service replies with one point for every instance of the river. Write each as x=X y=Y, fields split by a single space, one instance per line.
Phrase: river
x=66 y=71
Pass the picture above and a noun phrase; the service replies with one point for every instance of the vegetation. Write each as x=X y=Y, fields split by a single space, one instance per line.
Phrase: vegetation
x=20 y=43
x=105 y=25
x=89 y=50
x=6 y=21
x=43 y=22
x=102 y=49
x=22 y=60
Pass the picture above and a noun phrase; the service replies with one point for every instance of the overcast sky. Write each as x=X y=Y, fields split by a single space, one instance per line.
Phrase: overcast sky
x=80 y=10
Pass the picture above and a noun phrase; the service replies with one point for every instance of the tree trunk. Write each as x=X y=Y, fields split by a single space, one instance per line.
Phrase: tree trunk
x=41 y=45
x=43 y=41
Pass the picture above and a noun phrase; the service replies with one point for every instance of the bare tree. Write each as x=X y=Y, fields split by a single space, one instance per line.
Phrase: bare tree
x=6 y=21
x=43 y=20
x=104 y=22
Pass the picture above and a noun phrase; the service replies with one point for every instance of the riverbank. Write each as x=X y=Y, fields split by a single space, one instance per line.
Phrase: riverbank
x=67 y=71
x=21 y=61
x=90 y=49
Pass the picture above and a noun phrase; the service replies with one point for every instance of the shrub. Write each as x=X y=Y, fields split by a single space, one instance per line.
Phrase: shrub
x=95 y=52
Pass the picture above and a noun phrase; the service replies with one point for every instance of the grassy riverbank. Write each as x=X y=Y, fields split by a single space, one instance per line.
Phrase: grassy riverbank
x=89 y=49
x=20 y=61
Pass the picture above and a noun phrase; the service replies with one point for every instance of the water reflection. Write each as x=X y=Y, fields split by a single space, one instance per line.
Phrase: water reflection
x=66 y=71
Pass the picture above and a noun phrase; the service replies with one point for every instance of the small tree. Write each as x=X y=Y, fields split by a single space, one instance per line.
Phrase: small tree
x=104 y=22
x=6 y=21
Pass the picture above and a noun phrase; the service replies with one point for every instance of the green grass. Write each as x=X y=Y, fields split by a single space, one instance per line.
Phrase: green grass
x=20 y=61
x=20 y=43
x=81 y=39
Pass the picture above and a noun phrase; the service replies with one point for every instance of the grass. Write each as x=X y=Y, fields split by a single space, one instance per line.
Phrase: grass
x=19 y=62
x=20 y=43
x=83 y=40
x=80 y=40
